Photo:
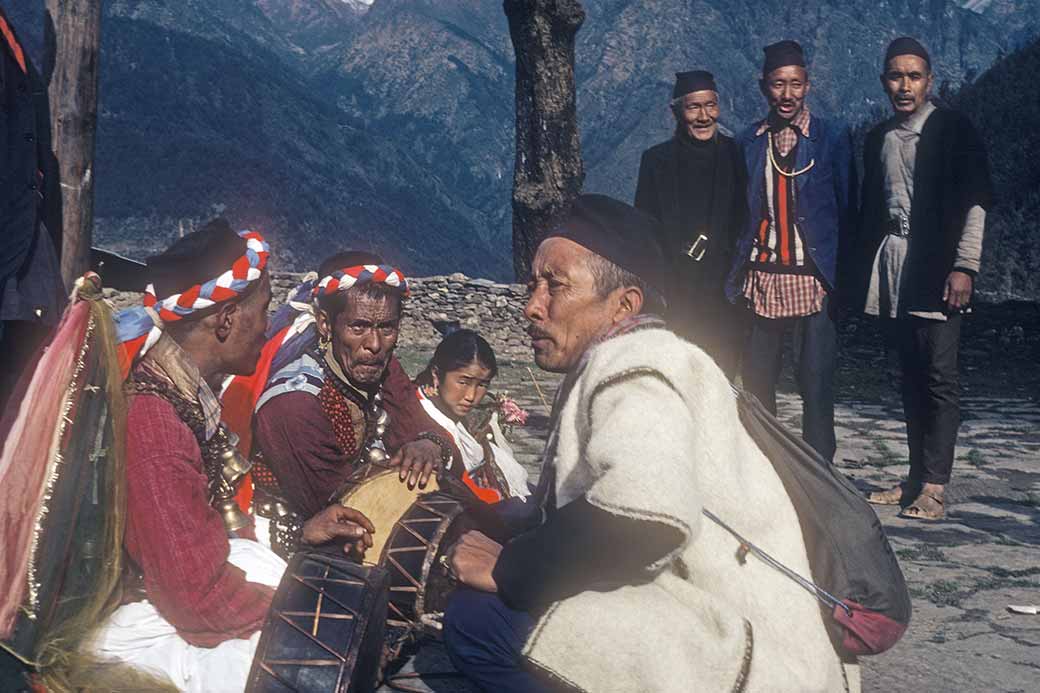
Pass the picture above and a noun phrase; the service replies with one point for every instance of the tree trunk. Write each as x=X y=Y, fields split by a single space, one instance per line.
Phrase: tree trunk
x=73 y=96
x=548 y=172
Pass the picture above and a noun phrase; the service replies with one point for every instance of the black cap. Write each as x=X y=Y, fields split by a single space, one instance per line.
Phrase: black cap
x=618 y=232
x=905 y=45
x=195 y=259
x=782 y=54
x=695 y=80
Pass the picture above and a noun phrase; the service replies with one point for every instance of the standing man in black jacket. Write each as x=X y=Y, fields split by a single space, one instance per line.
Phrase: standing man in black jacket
x=926 y=190
x=694 y=184
x=31 y=292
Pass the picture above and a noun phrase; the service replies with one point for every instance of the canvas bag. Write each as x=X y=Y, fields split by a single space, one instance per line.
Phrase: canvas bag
x=855 y=574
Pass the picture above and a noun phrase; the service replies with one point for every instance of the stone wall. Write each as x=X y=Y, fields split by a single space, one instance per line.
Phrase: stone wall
x=436 y=303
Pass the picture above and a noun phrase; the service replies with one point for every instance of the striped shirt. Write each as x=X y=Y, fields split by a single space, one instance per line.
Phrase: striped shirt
x=782 y=282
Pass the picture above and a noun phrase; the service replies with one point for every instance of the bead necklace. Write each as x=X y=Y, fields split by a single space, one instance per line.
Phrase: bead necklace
x=776 y=166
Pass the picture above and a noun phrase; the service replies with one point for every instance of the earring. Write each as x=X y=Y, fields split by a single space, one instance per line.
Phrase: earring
x=324 y=341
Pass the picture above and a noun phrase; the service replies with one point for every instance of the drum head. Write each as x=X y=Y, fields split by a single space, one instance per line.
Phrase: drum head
x=383 y=499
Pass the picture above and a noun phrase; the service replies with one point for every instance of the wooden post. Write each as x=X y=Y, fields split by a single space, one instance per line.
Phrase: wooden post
x=73 y=94
x=548 y=172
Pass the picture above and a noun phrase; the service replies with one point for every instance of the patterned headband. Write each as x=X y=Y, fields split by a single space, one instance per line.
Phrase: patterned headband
x=230 y=284
x=139 y=328
x=345 y=278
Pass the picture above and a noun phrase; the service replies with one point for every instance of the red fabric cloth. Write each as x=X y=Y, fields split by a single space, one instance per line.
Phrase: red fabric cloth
x=239 y=400
x=867 y=632
x=177 y=539
x=300 y=446
x=407 y=418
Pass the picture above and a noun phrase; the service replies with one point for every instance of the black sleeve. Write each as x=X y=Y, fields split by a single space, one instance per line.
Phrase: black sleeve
x=739 y=213
x=578 y=547
x=646 y=195
x=971 y=164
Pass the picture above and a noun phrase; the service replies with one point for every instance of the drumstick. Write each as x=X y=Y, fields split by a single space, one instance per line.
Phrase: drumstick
x=539 y=390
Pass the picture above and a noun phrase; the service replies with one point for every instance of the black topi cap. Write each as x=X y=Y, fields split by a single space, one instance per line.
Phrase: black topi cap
x=618 y=232
x=689 y=82
x=905 y=45
x=782 y=54
x=195 y=259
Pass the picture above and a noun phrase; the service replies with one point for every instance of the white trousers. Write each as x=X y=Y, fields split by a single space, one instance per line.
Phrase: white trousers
x=138 y=636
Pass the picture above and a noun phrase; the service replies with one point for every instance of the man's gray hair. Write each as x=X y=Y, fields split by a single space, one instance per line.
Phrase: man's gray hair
x=606 y=277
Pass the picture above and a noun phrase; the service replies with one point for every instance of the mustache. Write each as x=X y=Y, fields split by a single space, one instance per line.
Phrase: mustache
x=535 y=333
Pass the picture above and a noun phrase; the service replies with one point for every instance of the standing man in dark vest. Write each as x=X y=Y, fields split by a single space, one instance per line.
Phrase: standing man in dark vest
x=801 y=201
x=694 y=184
x=31 y=292
x=926 y=189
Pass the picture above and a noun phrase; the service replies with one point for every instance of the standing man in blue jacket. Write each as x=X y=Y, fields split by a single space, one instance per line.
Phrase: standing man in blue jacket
x=801 y=209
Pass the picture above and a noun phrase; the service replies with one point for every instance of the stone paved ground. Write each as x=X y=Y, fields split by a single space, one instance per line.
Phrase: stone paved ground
x=963 y=572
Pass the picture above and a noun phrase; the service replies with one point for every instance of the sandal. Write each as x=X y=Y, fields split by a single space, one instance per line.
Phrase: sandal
x=902 y=494
x=925 y=507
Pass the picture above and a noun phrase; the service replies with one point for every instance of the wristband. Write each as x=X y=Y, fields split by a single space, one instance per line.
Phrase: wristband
x=446 y=452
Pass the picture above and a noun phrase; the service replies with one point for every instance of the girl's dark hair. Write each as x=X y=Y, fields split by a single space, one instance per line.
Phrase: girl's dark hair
x=458 y=350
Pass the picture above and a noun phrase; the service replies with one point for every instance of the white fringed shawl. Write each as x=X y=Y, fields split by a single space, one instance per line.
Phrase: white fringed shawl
x=650 y=431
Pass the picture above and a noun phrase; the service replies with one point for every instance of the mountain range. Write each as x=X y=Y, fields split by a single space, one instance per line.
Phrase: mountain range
x=389 y=124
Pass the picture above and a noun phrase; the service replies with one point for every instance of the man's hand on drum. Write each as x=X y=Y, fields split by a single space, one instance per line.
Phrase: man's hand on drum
x=336 y=522
x=418 y=460
x=472 y=559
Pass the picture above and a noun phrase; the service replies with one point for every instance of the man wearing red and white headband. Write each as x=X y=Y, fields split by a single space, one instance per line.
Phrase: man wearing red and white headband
x=201 y=592
x=318 y=418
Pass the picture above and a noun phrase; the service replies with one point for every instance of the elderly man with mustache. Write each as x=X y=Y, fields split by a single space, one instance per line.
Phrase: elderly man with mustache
x=801 y=195
x=316 y=419
x=694 y=184
x=621 y=584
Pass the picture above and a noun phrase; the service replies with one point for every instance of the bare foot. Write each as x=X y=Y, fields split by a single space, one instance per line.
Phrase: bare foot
x=901 y=494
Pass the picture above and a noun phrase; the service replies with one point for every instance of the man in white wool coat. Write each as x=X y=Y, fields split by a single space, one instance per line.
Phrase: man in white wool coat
x=620 y=583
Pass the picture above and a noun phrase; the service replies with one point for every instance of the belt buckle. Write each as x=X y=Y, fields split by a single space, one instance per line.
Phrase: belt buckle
x=698 y=248
x=899 y=226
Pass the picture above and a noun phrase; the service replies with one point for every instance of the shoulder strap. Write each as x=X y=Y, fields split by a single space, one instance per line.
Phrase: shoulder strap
x=304 y=374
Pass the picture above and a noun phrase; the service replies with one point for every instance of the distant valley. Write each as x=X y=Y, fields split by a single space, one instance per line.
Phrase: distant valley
x=389 y=124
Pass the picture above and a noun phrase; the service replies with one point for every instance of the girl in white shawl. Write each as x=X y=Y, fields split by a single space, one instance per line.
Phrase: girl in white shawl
x=453 y=385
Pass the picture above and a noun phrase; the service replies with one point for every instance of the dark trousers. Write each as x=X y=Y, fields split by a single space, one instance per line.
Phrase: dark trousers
x=716 y=326
x=927 y=351
x=815 y=354
x=484 y=639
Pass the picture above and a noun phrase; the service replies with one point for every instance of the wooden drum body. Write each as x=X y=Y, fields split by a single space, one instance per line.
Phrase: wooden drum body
x=325 y=629
x=413 y=528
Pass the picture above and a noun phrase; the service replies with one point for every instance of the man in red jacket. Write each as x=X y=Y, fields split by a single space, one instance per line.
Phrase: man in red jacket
x=318 y=418
x=206 y=591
